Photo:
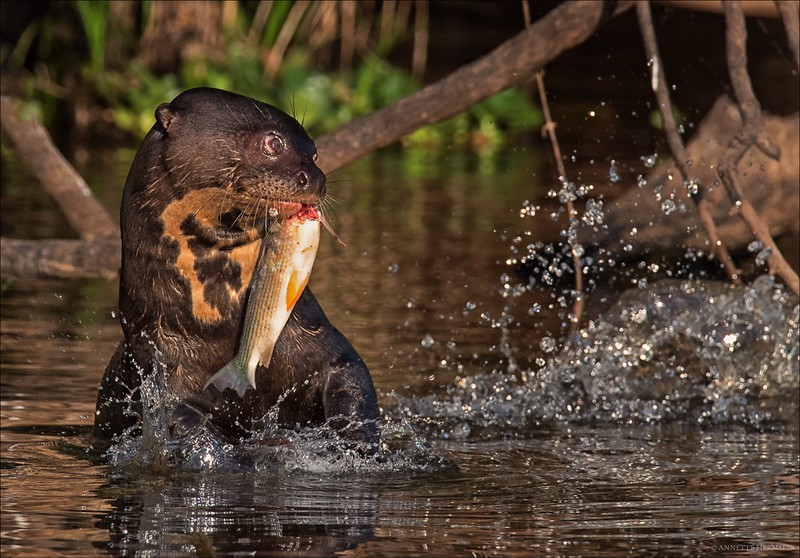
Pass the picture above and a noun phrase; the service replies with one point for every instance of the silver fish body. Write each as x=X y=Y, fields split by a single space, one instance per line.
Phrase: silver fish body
x=281 y=277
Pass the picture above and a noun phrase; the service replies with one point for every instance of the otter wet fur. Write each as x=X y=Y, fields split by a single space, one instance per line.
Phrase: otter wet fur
x=195 y=209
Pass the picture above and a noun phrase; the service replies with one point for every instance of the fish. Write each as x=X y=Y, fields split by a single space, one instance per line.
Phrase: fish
x=282 y=275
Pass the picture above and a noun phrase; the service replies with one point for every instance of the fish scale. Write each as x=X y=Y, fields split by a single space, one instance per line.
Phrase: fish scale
x=282 y=275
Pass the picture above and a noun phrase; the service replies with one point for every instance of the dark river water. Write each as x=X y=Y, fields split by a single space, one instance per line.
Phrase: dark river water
x=496 y=442
x=667 y=425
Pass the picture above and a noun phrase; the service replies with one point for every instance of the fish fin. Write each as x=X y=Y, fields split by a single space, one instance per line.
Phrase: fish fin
x=266 y=357
x=230 y=376
x=327 y=226
x=296 y=285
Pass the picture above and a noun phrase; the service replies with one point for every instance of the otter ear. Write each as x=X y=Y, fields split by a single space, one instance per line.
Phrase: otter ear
x=166 y=115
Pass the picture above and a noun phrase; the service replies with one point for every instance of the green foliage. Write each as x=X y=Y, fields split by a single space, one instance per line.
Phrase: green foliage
x=657 y=121
x=277 y=17
x=94 y=17
x=323 y=101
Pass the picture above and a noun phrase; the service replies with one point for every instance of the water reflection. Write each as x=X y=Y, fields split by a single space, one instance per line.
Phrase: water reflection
x=266 y=515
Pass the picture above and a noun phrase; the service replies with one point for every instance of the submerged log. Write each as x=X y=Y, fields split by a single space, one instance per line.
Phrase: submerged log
x=660 y=215
x=60 y=259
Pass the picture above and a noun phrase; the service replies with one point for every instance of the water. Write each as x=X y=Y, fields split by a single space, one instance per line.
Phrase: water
x=667 y=425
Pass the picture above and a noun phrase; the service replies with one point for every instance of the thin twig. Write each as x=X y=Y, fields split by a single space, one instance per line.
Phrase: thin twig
x=420 y=53
x=549 y=128
x=285 y=36
x=676 y=147
x=790 y=17
x=751 y=133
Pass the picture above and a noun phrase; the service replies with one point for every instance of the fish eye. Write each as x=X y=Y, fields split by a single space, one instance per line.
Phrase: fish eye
x=273 y=144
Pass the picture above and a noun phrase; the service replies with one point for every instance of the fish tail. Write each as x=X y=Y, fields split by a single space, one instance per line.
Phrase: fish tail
x=230 y=376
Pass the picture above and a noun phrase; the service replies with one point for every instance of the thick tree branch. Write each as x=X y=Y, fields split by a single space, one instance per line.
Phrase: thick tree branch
x=564 y=27
x=88 y=217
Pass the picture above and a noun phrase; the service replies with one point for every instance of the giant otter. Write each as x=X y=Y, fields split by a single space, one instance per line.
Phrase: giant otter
x=212 y=171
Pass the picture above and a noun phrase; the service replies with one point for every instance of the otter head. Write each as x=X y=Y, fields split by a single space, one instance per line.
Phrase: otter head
x=254 y=152
x=211 y=171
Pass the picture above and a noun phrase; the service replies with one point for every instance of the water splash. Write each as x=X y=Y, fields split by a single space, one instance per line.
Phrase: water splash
x=700 y=352
x=150 y=444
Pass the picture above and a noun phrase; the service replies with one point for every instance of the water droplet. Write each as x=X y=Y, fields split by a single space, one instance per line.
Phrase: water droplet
x=649 y=160
x=613 y=173
x=667 y=206
x=547 y=344
x=427 y=341
x=393 y=268
x=593 y=212
x=528 y=209
x=730 y=341
x=763 y=257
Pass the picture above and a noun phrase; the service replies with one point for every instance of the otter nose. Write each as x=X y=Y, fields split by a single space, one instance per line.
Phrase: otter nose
x=311 y=180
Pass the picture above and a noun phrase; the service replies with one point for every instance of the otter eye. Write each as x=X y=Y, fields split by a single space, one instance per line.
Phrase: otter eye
x=314 y=157
x=273 y=144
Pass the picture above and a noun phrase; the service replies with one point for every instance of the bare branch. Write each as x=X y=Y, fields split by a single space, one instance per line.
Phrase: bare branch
x=751 y=133
x=572 y=215
x=790 y=18
x=659 y=86
x=85 y=213
x=564 y=27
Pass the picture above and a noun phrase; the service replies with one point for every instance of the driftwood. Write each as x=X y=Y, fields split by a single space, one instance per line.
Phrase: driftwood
x=509 y=64
x=87 y=216
x=773 y=188
x=61 y=259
